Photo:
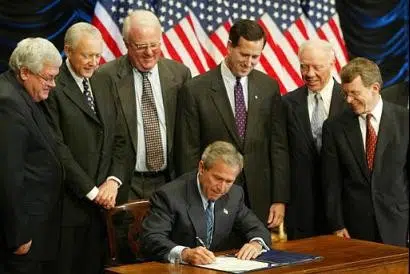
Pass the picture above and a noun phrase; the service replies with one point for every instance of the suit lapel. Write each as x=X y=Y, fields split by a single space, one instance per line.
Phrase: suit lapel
x=221 y=101
x=195 y=209
x=221 y=213
x=302 y=116
x=384 y=136
x=169 y=98
x=337 y=103
x=126 y=93
x=71 y=89
x=354 y=137
x=254 y=101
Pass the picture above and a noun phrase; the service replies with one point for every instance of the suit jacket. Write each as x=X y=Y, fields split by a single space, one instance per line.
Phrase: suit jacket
x=30 y=175
x=177 y=216
x=92 y=147
x=305 y=214
x=172 y=76
x=205 y=115
x=397 y=94
x=355 y=198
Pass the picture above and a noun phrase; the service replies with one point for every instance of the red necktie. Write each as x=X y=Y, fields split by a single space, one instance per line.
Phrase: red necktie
x=371 y=140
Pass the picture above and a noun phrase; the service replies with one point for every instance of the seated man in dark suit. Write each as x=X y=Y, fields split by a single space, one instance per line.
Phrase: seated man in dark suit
x=196 y=213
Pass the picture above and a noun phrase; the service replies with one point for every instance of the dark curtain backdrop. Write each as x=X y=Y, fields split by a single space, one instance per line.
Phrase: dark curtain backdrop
x=376 y=29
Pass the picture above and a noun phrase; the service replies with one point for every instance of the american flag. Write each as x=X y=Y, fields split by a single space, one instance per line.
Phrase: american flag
x=195 y=32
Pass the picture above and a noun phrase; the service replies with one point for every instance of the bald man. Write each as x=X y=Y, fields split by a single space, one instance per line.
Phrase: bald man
x=305 y=213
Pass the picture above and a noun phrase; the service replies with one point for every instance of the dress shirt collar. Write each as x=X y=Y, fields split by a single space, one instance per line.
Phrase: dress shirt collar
x=151 y=73
x=228 y=76
x=203 y=198
x=326 y=93
x=77 y=79
x=376 y=112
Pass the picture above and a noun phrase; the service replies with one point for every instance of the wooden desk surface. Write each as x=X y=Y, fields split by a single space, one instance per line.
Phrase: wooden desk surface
x=340 y=256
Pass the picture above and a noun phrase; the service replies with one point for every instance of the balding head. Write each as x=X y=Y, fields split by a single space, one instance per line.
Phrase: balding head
x=140 y=19
x=316 y=59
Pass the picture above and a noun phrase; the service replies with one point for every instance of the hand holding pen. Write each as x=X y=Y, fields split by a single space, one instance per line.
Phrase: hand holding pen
x=198 y=255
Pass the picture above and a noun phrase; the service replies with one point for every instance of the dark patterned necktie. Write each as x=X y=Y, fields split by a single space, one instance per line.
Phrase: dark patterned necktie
x=152 y=134
x=318 y=117
x=240 y=109
x=209 y=213
x=88 y=96
x=371 y=140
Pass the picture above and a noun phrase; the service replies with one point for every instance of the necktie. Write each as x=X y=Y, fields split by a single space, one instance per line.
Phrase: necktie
x=240 y=109
x=88 y=96
x=318 y=117
x=152 y=134
x=209 y=213
x=371 y=140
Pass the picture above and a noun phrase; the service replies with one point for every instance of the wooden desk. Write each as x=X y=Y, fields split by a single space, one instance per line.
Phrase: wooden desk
x=340 y=256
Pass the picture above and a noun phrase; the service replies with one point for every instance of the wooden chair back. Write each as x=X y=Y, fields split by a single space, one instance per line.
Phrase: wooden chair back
x=124 y=224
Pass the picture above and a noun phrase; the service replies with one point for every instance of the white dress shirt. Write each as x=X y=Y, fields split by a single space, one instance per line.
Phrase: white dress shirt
x=326 y=94
x=375 y=120
x=229 y=82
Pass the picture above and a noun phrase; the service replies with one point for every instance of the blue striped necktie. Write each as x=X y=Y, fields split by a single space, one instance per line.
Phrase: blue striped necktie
x=209 y=213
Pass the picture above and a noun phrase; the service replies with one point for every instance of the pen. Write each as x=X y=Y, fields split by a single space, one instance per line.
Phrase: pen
x=200 y=241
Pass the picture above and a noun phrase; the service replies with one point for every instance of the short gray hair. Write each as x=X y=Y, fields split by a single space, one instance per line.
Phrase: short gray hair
x=139 y=18
x=224 y=151
x=75 y=32
x=34 y=53
x=316 y=43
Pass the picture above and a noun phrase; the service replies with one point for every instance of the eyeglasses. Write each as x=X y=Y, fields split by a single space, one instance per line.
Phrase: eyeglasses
x=306 y=67
x=145 y=46
x=48 y=80
x=352 y=94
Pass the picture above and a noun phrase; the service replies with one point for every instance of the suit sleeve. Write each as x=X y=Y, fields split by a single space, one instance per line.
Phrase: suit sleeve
x=187 y=133
x=331 y=179
x=156 y=228
x=14 y=140
x=77 y=179
x=279 y=151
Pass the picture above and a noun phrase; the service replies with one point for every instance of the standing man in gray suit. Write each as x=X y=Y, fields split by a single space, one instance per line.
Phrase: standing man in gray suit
x=92 y=146
x=307 y=108
x=365 y=161
x=147 y=86
x=240 y=105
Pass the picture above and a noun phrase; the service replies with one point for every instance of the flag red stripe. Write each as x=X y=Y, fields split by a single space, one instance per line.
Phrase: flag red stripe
x=281 y=56
x=322 y=35
x=109 y=41
x=218 y=43
x=291 y=41
x=171 y=50
x=191 y=51
x=301 y=26
x=336 y=31
x=271 y=72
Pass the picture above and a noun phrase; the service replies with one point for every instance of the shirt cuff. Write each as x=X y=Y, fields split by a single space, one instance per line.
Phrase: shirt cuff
x=175 y=253
x=93 y=193
x=115 y=179
x=262 y=243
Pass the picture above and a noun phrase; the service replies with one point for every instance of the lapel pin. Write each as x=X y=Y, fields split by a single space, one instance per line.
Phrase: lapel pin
x=226 y=211
x=256 y=97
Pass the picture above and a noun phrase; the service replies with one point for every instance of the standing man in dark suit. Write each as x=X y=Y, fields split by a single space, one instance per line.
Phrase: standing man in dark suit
x=147 y=86
x=397 y=94
x=365 y=161
x=240 y=105
x=30 y=172
x=305 y=214
x=195 y=214
x=92 y=146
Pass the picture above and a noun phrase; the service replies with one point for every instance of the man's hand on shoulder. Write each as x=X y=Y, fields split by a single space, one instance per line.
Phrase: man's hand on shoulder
x=197 y=255
x=249 y=251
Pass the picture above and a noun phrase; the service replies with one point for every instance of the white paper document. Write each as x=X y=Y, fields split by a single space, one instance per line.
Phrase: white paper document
x=234 y=265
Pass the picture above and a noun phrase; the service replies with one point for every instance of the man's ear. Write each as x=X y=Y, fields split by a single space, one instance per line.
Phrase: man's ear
x=201 y=167
x=23 y=73
x=376 y=87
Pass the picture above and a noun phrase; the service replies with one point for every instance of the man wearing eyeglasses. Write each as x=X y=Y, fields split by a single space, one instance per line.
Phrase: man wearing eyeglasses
x=147 y=86
x=365 y=161
x=30 y=170
x=307 y=107
x=93 y=148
